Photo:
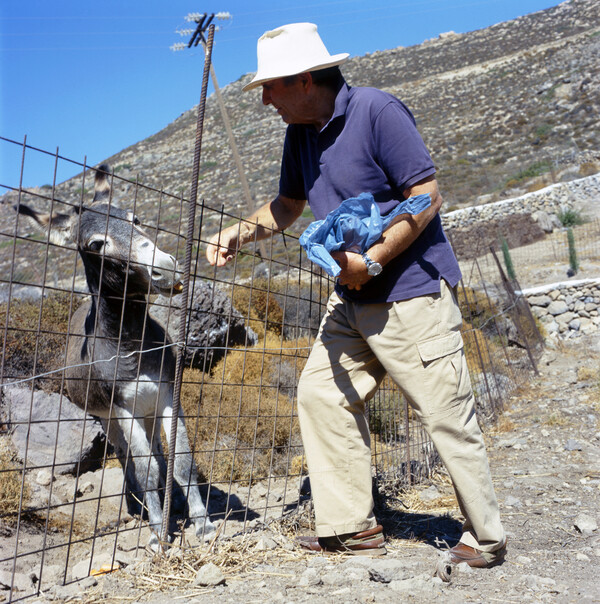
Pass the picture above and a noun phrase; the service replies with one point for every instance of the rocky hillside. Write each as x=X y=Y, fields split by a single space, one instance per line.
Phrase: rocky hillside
x=504 y=110
x=498 y=107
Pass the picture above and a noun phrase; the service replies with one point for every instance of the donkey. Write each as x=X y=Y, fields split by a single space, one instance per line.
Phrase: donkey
x=121 y=366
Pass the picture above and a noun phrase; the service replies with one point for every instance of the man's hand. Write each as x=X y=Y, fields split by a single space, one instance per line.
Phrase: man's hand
x=354 y=270
x=223 y=246
x=267 y=220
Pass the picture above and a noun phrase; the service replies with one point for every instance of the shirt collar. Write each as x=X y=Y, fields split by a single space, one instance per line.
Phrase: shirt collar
x=341 y=104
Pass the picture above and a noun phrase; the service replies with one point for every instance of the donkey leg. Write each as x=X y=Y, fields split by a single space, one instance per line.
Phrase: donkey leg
x=178 y=500
x=134 y=492
x=152 y=425
x=146 y=470
x=186 y=474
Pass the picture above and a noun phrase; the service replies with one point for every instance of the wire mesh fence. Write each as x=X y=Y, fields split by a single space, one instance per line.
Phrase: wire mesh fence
x=544 y=260
x=91 y=323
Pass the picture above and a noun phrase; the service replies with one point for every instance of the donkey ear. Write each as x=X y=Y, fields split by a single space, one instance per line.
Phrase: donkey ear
x=102 y=184
x=59 y=226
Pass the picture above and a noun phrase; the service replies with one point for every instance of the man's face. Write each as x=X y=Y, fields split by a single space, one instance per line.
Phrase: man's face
x=288 y=99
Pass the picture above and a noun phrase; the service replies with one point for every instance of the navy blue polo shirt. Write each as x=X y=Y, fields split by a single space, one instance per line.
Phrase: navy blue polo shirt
x=370 y=145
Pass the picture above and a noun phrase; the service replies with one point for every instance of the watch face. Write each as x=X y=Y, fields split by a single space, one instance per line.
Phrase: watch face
x=374 y=269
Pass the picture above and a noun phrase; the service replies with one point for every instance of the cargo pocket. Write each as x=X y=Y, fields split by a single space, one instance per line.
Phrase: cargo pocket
x=439 y=347
x=445 y=373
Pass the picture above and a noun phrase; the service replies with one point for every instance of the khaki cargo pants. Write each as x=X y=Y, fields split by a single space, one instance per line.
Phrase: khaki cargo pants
x=418 y=343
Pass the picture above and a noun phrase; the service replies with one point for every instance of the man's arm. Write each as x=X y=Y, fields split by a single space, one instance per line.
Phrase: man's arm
x=395 y=239
x=273 y=216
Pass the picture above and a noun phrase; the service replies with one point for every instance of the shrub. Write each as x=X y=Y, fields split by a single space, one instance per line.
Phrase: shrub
x=385 y=416
x=475 y=306
x=573 y=262
x=569 y=218
x=536 y=169
x=543 y=130
x=510 y=269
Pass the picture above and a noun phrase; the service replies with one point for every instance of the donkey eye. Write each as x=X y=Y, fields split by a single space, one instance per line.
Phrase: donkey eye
x=96 y=245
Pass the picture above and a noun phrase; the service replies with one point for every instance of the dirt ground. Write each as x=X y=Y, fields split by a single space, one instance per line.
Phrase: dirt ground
x=545 y=459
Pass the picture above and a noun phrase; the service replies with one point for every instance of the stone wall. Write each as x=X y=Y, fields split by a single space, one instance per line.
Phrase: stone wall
x=566 y=310
x=550 y=200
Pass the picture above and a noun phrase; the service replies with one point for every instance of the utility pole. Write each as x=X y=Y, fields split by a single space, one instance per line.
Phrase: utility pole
x=203 y=21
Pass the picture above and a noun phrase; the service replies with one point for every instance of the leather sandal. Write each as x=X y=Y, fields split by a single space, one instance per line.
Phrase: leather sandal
x=364 y=543
x=462 y=553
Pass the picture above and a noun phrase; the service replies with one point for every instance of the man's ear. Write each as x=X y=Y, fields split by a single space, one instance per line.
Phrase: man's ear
x=306 y=81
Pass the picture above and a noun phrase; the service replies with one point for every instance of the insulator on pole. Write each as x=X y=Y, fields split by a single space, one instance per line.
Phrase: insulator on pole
x=178 y=46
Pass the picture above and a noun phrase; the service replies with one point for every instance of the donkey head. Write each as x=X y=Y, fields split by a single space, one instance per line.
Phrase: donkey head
x=118 y=256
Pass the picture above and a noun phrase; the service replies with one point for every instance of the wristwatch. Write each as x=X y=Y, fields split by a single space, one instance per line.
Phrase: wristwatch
x=373 y=268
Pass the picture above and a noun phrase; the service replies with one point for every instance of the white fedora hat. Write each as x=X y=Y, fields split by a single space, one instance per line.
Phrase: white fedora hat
x=289 y=50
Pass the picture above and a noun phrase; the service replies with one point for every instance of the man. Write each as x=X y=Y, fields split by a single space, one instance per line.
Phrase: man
x=393 y=310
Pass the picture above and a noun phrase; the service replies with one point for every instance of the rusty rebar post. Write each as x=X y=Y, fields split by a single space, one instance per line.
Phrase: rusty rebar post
x=186 y=288
x=514 y=300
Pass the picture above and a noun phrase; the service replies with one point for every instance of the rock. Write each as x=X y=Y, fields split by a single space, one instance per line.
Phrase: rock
x=213 y=323
x=266 y=543
x=536 y=583
x=209 y=575
x=430 y=494
x=585 y=524
x=422 y=585
x=384 y=570
x=511 y=501
x=557 y=307
x=547 y=222
x=565 y=318
x=572 y=445
x=539 y=300
x=18 y=581
x=54 y=436
x=310 y=577
x=334 y=578
x=102 y=564
x=44 y=478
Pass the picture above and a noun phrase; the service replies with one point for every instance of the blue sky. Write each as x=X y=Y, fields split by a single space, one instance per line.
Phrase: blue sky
x=91 y=78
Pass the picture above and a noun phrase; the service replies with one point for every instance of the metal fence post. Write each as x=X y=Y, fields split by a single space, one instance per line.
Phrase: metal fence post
x=186 y=287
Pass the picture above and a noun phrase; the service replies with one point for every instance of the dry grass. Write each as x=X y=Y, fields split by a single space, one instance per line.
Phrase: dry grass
x=245 y=408
x=555 y=419
x=173 y=573
x=475 y=305
x=479 y=349
x=259 y=306
x=503 y=424
x=587 y=373
x=36 y=337
x=10 y=483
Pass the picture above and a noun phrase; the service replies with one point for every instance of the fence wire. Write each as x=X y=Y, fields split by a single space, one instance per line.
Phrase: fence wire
x=69 y=508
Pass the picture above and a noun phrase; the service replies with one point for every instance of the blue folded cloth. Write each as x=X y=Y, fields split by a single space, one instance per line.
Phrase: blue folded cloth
x=354 y=226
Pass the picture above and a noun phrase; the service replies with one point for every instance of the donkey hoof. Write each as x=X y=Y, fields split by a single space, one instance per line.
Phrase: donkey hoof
x=205 y=530
x=154 y=543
